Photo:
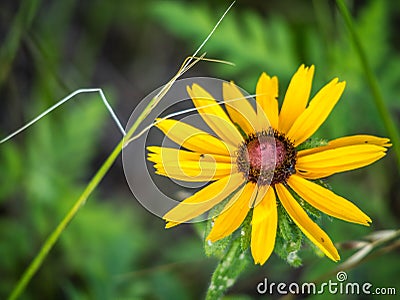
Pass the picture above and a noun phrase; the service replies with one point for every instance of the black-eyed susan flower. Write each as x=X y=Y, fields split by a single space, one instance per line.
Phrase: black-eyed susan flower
x=253 y=161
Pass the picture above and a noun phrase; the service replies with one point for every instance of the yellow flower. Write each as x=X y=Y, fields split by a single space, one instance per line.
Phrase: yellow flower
x=237 y=159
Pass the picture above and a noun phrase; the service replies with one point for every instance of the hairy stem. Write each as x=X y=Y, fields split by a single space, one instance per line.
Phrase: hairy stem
x=227 y=271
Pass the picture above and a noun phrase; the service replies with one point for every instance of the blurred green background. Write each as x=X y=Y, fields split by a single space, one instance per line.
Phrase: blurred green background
x=114 y=248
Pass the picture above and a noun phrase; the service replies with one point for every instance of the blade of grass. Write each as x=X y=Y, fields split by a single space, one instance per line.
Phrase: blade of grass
x=372 y=82
x=94 y=182
x=54 y=236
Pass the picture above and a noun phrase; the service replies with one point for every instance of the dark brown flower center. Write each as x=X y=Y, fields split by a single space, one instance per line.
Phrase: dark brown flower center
x=267 y=157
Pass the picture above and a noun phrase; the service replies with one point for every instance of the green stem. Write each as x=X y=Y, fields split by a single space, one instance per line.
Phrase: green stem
x=227 y=271
x=372 y=82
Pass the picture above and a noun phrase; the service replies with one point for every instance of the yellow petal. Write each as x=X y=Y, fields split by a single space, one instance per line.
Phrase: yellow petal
x=171 y=224
x=316 y=113
x=195 y=171
x=327 y=201
x=306 y=225
x=264 y=225
x=349 y=141
x=261 y=193
x=313 y=175
x=203 y=200
x=239 y=108
x=163 y=154
x=234 y=213
x=193 y=138
x=296 y=97
x=267 y=103
x=337 y=160
x=262 y=120
x=213 y=114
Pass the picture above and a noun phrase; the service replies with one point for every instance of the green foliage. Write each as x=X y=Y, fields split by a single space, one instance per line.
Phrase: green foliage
x=245 y=232
x=243 y=38
x=47 y=191
x=311 y=210
x=373 y=27
x=114 y=250
x=312 y=143
x=101 y=265
x=13 y=169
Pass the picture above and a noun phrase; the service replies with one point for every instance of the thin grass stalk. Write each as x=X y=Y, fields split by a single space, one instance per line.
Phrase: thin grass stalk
x=94 y=182
x=379 y=102
x=55 y=235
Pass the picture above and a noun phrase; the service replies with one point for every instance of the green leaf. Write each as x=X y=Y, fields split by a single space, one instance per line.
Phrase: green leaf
x=217 y=248
x=311 y=210
x=288 y=240
x=245 y=232
x=314 y=248
x=312 y=143
x=323 y=183
x=284 y=224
